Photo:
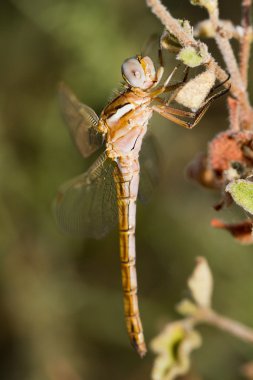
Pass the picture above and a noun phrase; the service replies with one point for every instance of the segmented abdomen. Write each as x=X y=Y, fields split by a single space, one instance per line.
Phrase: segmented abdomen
x=127 y=181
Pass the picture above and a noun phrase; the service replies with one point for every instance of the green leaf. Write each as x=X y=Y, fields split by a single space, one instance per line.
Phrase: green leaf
x=241 y=191
x=190 y=57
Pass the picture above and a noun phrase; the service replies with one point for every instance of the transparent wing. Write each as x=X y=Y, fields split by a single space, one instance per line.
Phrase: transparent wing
x=150 y=168
x=81 y=120
x=87 y=205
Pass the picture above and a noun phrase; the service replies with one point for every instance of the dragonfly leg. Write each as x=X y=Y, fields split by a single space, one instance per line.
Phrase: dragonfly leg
x=165 y=87
x=220 y=84
x=213 y=97
x=176 y=87
x=163 y=108
x=173 y=114
x=172 y=87
x=170 y=112
x=160 y=69
x=161 y=61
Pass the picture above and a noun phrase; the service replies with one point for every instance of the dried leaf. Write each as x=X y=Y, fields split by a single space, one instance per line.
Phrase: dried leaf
x=241 y=191
x=201 y=283
x=241 y=231
x=173 y=347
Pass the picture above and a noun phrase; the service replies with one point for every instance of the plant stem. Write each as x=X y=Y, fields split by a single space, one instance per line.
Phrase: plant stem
x=226 y=50
x=226 y=324
x=245 y=40
x=234 y=114
x=171 y=23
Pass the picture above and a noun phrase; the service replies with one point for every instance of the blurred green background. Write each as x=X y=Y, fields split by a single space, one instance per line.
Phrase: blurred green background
x=61 y=313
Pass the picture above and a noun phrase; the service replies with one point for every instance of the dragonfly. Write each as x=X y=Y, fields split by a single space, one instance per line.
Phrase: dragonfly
x=94 y=201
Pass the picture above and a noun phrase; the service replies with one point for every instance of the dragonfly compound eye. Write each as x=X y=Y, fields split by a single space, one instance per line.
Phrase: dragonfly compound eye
x=149 y=68
x=133 y=72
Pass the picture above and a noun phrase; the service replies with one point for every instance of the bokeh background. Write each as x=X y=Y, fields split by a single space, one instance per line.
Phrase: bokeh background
x=61 y=313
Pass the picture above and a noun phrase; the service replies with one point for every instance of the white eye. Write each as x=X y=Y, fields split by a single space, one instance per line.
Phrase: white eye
x=133 y=72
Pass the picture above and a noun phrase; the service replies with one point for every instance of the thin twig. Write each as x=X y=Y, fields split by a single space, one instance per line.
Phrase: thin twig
x=234 y=113
x=171 y=23
x=226 y=49
x=245 y=40
x=233 y=327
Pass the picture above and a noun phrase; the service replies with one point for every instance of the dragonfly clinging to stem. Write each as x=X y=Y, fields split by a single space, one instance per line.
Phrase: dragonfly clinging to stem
x=90 y=203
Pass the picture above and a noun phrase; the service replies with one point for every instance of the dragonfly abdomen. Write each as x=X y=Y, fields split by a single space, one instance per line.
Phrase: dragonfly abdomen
x=129 y=283
x=127 y=190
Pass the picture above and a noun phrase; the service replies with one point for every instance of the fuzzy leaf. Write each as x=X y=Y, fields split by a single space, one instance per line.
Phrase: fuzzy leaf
x=190 y=57
x=201 y=283
x=241 y=191
x=194 y=92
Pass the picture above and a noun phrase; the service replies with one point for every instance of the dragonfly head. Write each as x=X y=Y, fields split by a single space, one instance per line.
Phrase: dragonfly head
x=139 y=72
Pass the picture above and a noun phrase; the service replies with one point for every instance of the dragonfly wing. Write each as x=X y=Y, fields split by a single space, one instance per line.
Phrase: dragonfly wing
x=87 y=205
x=81 y=120
x=150 y=167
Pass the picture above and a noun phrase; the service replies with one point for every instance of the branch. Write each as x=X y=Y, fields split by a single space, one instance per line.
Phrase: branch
x=226 y=49
x=199 y=310
x=171 y=23
x=245 y=40
x=238 y=76
x=234 y=113
x=233 y=327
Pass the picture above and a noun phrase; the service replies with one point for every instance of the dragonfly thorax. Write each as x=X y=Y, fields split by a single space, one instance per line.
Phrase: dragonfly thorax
x=126 y=129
